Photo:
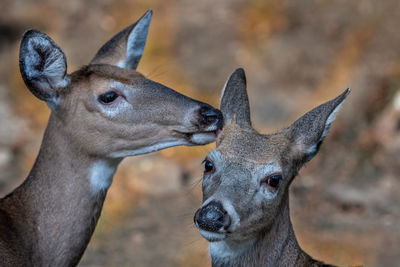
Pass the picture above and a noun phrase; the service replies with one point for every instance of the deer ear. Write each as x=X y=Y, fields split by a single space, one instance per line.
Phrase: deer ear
x=43 y=66
x=126 y=48
x=234 y=101
x=309 y=131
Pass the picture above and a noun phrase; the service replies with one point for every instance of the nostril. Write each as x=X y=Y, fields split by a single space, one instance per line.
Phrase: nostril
x=210 y=115
x=211 y=118
x=212 y=217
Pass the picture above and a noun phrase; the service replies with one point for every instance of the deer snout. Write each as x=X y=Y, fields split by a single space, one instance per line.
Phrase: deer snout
x=210 y=118
x=212 y=217
x=208 y=122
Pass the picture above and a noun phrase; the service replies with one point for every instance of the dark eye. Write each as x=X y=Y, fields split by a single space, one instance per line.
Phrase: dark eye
x=108 y=97
x=272 y=181
x=208 y=166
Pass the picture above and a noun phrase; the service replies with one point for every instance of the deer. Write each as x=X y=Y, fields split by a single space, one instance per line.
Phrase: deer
x=100 y=114
x=245 y=210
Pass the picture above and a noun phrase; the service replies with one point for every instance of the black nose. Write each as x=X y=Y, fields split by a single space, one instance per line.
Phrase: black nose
x=210 y=116
x=212 y=217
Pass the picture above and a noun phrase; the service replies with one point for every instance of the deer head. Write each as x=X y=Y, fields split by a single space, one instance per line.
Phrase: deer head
x=246 y=178
x=107 y=108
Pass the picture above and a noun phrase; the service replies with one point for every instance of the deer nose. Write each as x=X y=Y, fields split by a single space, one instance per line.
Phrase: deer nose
x=212 y=217
x=210 y=116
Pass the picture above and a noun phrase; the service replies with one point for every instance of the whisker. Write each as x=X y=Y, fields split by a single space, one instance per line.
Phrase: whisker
x=155 y=72
x=159 y=74
x=189 y=243
x=195 y=183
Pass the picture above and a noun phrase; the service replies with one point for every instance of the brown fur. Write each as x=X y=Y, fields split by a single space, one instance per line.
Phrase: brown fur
x=50 y=218
x=48 y=214
x=107 y=72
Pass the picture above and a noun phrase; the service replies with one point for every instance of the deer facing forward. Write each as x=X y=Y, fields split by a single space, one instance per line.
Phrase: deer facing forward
x=100 y=114
x=245 y=210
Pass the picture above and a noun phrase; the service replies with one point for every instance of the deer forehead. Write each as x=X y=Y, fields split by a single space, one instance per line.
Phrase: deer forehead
x=235 y=166
x=100 y=76
x=247 y=145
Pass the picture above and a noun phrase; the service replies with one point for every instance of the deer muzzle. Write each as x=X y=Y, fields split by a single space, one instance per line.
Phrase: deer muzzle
x=208 y=122
x=212 y=218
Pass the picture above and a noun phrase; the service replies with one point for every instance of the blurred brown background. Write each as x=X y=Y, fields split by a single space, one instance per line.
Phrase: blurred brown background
x=297 y=54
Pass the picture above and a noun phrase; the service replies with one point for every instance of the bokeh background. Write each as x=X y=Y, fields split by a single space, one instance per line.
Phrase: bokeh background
x=345 y=204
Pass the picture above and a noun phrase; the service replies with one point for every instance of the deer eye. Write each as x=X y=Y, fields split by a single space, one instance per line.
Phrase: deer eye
x=108 y=97
x=208 y=166
x=272 y=181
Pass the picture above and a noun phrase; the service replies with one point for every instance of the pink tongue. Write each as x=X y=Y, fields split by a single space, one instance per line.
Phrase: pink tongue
x=218 y=132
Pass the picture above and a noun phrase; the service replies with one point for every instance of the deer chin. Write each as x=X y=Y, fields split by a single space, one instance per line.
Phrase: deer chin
x=203 y=138
x=199 y=138
x=212 y=236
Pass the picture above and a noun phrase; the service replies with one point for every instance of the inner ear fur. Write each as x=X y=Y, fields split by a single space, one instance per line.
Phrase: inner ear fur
x=43 y=65
x=309 y=131
x=126 y=48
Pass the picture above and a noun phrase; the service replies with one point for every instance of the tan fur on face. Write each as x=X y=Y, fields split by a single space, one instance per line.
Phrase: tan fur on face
x=246 y=144
x=107 y=72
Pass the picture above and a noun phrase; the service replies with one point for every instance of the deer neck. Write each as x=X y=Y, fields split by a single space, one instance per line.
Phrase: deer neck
x=60 y=201
x=276 y=246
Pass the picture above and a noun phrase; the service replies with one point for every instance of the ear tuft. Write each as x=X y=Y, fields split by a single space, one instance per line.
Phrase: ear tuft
x=43 y=65
x=126 y=48
x=309 y=131
x=235 y=105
